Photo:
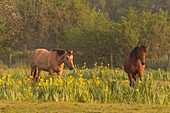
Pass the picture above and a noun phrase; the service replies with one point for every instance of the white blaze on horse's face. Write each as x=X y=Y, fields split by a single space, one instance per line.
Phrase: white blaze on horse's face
x=142 y=58
x=142 y=54
x=69 y=60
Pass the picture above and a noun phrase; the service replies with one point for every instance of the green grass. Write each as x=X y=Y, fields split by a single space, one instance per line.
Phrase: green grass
x=74 y=107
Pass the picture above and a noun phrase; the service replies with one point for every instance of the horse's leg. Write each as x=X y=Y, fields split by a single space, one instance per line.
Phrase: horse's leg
x=51 y=72
x=39 y=75
x=134 y=77
x=33 y=72
x=131 y=80
x=60 y=73
x=140 y=76
x=140 y=72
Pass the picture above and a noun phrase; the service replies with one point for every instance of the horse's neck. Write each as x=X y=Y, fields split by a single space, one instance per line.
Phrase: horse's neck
x=133 y=57
x=60 y=59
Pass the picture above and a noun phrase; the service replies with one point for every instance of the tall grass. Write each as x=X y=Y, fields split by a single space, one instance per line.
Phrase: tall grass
x=98 y=85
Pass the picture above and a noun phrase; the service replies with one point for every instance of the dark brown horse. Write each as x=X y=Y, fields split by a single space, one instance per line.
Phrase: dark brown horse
x=134 y=64
x=50 y=61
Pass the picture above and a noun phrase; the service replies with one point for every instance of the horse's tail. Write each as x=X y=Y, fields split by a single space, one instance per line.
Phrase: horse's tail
x=35 y=72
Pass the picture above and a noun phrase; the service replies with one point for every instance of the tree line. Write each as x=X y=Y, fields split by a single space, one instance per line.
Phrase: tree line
x=94 y=29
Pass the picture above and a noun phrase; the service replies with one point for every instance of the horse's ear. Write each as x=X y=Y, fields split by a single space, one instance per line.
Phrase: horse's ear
x=138 y=43
x=71 y=51
x=147 y=48
x=60 y=52
x=139 y=46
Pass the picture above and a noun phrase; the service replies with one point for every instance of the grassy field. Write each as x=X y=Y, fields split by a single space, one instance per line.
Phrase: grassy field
x=74 y=107
x=100 y=89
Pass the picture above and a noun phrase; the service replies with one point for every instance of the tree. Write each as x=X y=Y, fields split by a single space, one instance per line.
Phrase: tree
x=151 y=29
x=10 y=26
x=89 y=36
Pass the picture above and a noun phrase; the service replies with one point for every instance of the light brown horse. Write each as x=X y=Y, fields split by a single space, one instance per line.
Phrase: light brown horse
x=134 y=63
x=50 y=61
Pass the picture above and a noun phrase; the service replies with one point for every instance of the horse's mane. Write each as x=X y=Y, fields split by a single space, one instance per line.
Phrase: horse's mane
x=133 y=53
x=56 y=49
x=61 y=51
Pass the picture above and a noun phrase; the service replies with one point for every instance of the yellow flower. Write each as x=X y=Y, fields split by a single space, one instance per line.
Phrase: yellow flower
x=117 y=70
x=80 y=70
x=140 y=82
x=106 y=89
x=89 y=82
x=137 y=90
x=59 y=81
x=113 y=80
x=169 y=79
x=150 y=78
x=39 y=84
x=19 y=83
x=97 y=82
x=9 y=75
x=4 y=77
x=51 y=81
x=127 y=81
x=46 y=83
x=31 y=77
x=9 y=83
x=0 y=81
x=71 y=79
x=95 y=64
x=159 y=69
x=81 y=75
x=108 y=65
x=102 y=72
x=70 y=76
x=41 y=80
x=84 y=66
x=80 y=80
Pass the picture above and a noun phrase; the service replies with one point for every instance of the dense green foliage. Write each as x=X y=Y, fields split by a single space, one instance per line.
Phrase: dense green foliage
x=92 y=28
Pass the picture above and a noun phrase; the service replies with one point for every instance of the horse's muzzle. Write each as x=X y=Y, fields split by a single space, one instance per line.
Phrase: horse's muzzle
x=143 y=63
x=71 y=68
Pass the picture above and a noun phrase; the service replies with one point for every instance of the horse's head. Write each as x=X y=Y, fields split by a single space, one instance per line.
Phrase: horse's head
x=141 y=53
x=69 y=59
x=66 y=57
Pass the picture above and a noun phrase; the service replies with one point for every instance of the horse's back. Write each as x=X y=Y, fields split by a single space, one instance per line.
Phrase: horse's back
x=126 y=64
x=38 y=52
x=38 y=56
